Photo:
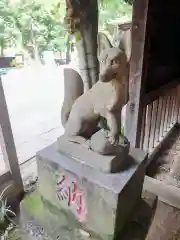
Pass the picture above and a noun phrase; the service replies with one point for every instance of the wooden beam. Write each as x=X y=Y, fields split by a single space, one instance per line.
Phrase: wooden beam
x=178 y=105
x=166 y=193
x=134 y=110
x=7 y=142
x=5 y=177
x=165 y=223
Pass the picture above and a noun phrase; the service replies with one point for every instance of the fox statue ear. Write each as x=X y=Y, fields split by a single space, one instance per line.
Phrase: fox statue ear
x=104 y=54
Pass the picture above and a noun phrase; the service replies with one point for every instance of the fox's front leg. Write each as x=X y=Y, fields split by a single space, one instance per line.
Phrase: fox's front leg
x=114 y=129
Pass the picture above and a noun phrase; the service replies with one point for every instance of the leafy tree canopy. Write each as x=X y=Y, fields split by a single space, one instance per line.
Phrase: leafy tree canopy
x=40 y=24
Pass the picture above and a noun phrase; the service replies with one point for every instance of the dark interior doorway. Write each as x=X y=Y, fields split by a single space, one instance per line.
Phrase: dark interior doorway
x=162 y=44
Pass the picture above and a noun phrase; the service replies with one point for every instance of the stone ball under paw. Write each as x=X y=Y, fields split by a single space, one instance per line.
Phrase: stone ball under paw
x=100 y=143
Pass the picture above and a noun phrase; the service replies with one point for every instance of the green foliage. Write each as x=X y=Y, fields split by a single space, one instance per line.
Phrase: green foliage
x=103 y=125
x=129 y=1
x=29 y=23
x=111 y=10
x=39 y=24
x=8 y=30
x=4 y=209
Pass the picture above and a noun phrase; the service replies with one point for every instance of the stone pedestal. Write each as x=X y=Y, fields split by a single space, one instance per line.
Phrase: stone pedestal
x=98 y=202
x=85 y=156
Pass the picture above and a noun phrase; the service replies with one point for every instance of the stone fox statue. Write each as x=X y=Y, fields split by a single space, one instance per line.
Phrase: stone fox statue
x=105 y=99
x=73 y=88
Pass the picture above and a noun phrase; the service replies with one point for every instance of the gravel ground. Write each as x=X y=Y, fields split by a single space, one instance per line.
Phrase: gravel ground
x=167 y=167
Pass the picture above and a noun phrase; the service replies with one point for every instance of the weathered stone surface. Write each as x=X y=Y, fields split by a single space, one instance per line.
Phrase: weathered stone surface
x=96 y=201
x=38 y=217
x=40 y=220
x=85 y=156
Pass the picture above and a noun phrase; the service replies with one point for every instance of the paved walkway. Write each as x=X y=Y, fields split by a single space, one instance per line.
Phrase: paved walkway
x=34 y=97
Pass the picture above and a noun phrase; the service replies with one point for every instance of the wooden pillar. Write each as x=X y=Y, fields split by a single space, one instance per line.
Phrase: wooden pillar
x=7 y=143
x=134 y=111
x=178 y=118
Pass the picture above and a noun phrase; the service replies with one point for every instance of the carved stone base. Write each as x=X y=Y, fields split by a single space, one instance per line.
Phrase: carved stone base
x=98 y=202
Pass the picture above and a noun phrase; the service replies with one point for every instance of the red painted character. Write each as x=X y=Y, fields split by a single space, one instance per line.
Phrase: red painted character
x=71 y=193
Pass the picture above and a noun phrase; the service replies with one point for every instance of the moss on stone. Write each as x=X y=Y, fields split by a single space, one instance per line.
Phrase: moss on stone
x=55 y=222
x=16 y=234
x=33 y=204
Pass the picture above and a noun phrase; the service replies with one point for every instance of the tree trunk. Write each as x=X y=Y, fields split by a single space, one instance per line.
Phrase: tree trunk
x=86 y=42
x=36 y=54
x=2 y=47
x=68 y=48
x=35 y=46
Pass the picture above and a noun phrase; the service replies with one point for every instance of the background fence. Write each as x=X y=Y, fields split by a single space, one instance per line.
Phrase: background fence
x=160 y=114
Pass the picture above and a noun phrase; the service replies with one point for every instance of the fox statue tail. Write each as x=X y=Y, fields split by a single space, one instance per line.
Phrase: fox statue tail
x=73 y=88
